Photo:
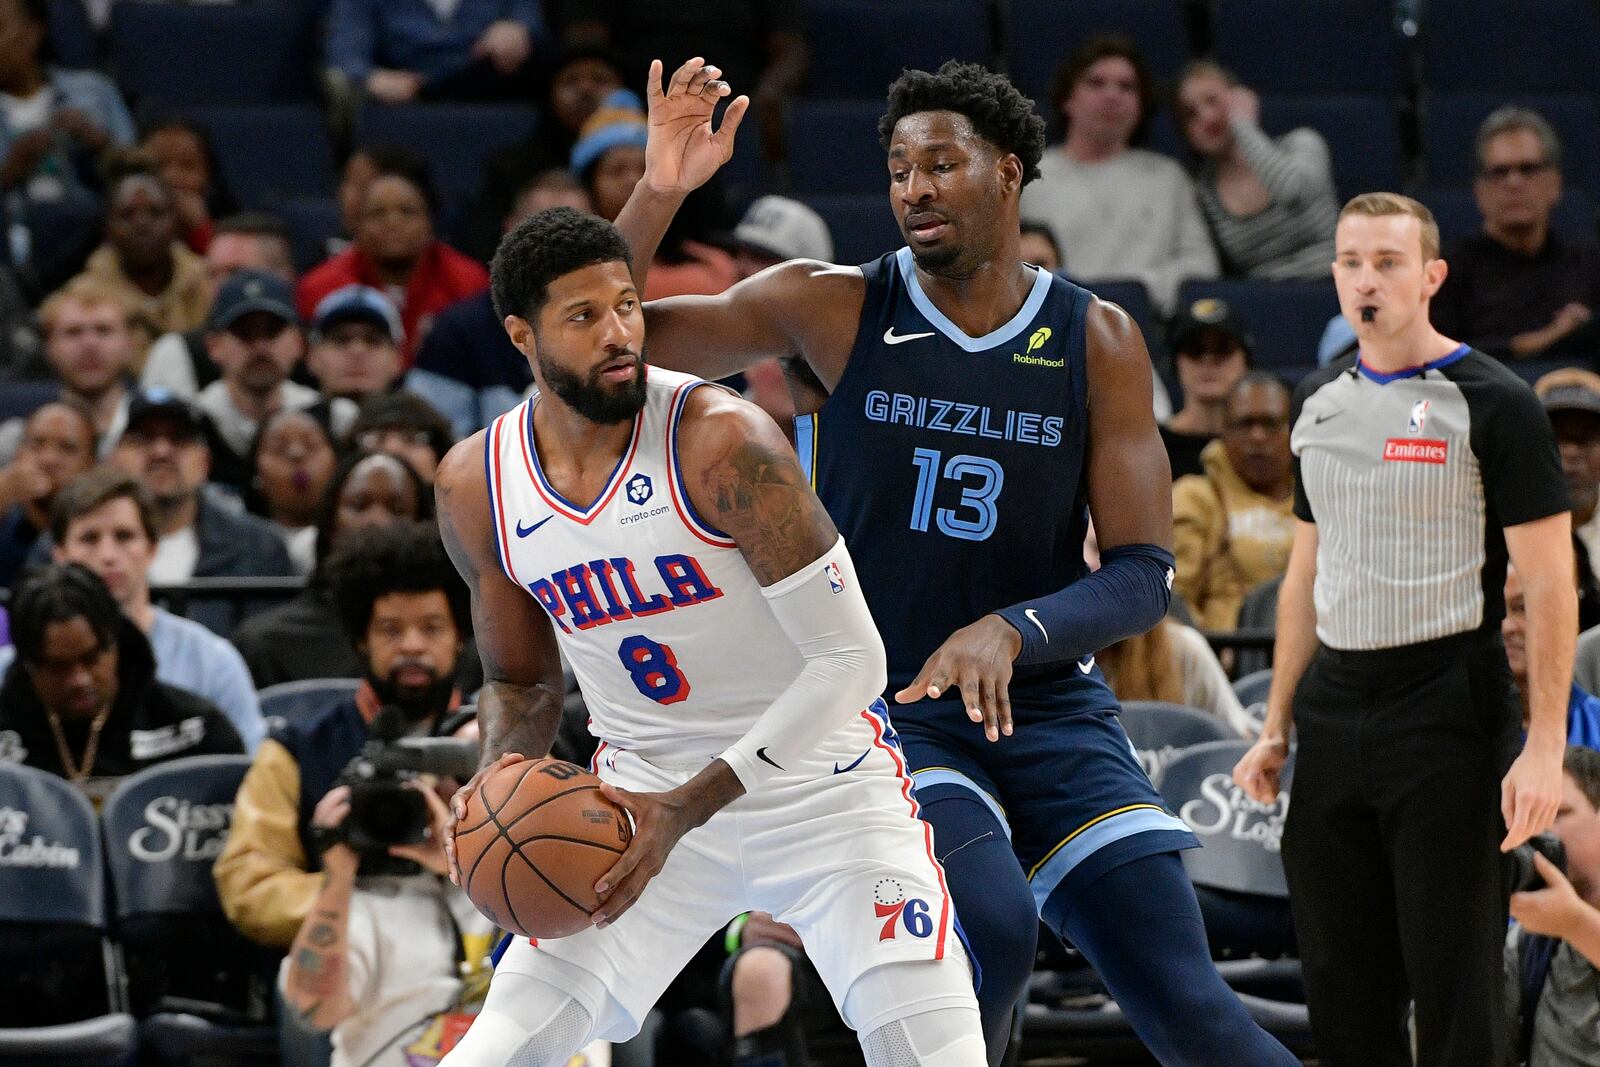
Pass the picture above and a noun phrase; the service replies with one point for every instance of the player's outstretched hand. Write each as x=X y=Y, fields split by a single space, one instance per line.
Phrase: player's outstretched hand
x=458 y=809
x=1259 y=771
x=976 y=659
x=681 y=153
x=659 y=820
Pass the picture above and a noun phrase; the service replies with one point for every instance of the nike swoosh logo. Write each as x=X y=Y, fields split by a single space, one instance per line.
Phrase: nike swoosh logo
x=892 y=338
x=1324 y=418
x=840 y=770
x=524 y=531
x=1033 y=617
x=1085 y=666
x=761 y=754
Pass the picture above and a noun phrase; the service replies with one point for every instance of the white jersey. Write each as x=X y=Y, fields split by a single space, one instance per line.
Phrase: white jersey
x=656 y=611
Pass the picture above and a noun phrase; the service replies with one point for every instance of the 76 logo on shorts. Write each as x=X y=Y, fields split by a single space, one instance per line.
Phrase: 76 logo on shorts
x=890 y=903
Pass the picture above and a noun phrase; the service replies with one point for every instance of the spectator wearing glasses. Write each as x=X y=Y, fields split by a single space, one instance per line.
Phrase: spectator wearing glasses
x=1517 y=290
x=407 y=427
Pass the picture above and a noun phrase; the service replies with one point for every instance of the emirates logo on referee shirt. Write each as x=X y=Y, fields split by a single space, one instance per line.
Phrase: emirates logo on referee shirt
x=1415 y=450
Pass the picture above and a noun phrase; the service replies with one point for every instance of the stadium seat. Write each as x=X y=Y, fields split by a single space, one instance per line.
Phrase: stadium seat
x=1238 y=875
x=1363 y=135
x=254 y=148
x=833 y=147
x=1310 y=46
x=188 y=54
x=58 y=992
x=454 y=137
x=1260 y=612
x=862 y=224
x=1450 y=129
x=857 y=49
x=1486 y=45
x=1131 y=296
x=1040 y=33
x=1161 y=731
x=1252 y=688
x=199 y=987
x=312 y=221
x=1285 y=318
x=18 y=400
x=288 y=701
x=1456 y=212
x=72 y=42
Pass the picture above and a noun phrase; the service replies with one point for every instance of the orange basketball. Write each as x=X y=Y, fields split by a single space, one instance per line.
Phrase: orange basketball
x=535 y=839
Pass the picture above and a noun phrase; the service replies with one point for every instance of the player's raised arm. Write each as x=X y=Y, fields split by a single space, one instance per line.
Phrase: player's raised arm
x=775 y=313
x=519 y=707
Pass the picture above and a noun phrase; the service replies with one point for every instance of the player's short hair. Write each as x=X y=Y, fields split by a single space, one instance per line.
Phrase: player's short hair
x=406 y=557
x=1511 y=118
x=1377 y=205
x=998 y=110
x=1091 y=51
x=61 y=592
x=94 y=490
x=546 y=246
x=1584 y=766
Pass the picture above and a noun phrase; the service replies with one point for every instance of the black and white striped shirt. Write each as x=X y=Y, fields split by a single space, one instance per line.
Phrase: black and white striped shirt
x=1411 y=479
x=1292 y=237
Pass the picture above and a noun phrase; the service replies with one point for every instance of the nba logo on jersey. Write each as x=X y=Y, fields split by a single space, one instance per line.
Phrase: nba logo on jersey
x=639 y=489
x=1419 y=416
x=835 y=579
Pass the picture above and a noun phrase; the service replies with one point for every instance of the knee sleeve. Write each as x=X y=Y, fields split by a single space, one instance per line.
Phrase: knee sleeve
x=525 y=1022
x=949 y=1037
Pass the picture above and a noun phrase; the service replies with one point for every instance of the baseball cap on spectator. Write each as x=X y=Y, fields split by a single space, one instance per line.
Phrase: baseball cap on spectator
x=620 y=120
x=785 y=229
x=1570 y=389
x=155 y=403
x=358 y=303
x=1209 y=314
x=252 y=290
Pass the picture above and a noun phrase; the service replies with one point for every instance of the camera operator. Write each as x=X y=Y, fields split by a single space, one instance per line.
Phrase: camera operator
x=1552 y=955
x=406 y=611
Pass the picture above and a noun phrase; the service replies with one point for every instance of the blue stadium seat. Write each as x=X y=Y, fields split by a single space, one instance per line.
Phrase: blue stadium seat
x=185 y=54
x=1040 y=33
x=270 y=153
x=862 y=224
x=1310 y=46
x=454 y=137
x=287 y=701
x=1450 y=129
x=1575 y=218
x=858 y=48
x=1480 y=45
x=198 y=985
x=18 y=400
x=72 y=40
x=58 y=994
x=1286 y=318
x=1131 y=297
x=1363 y=135
x=1161 y=731
x=312 y=222
x=833 y=147
x=1252 y=688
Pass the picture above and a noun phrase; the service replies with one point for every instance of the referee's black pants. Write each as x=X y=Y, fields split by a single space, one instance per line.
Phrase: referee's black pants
x=1396 y=880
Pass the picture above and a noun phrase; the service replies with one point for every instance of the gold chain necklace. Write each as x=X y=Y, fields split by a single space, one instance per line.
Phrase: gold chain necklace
x=77 y=773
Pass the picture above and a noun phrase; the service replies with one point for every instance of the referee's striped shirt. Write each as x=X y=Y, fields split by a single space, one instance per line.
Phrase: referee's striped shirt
x=1411 y=479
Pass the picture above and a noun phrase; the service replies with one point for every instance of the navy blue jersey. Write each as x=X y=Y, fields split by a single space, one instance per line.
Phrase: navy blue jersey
x=954 y=467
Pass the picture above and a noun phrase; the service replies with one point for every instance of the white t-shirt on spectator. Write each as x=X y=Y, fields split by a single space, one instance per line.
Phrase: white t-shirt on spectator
x=176 y=556
x=26 y=113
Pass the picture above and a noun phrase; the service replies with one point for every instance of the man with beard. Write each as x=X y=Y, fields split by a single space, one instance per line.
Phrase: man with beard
x=406 y=612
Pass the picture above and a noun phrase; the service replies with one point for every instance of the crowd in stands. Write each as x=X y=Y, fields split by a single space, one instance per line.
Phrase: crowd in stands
x=212 y=367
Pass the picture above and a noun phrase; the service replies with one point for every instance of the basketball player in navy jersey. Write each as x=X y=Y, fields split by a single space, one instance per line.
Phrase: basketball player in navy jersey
x=977 y=412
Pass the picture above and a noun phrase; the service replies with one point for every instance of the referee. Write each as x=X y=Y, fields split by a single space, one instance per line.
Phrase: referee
x=1419 y=464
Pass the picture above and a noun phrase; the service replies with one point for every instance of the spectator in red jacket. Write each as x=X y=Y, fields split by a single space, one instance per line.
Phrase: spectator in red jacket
x=396 y=252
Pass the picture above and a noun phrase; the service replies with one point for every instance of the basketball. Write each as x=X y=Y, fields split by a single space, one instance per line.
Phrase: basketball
x=535 y=839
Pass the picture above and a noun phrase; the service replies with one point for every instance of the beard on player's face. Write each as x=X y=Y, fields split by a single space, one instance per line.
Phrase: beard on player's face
x=415 y=701
x=590 y=396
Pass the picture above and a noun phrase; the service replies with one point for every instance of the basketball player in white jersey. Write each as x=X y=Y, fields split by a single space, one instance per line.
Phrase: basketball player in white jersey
x=660 y=530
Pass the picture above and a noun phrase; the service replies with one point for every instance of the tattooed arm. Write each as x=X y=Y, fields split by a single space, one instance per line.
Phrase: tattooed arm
x=743 y=476
x=519 y=707
x=316 y=985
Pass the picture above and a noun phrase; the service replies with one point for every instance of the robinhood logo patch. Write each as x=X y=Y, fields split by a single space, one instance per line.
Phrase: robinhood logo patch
x=1036 y=341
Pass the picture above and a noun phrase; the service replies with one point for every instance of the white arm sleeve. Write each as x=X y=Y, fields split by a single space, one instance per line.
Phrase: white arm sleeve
x=821 y=608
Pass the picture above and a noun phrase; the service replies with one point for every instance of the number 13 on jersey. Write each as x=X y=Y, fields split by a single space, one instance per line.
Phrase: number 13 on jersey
x=981 y=480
